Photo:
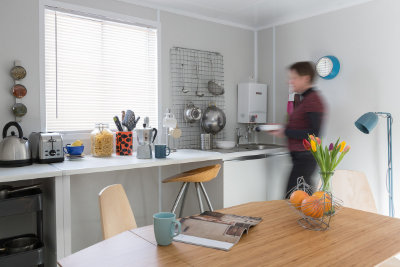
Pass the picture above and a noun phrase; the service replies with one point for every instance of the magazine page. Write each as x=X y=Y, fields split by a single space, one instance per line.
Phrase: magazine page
x=214 y=229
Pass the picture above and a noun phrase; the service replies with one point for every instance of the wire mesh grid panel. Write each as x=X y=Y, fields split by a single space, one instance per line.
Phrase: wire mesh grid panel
x=197 y=77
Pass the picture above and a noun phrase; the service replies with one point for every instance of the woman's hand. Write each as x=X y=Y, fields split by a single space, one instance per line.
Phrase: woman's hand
x=278 y=133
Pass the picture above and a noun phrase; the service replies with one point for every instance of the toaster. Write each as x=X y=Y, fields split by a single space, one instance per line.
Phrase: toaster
x=46 y=147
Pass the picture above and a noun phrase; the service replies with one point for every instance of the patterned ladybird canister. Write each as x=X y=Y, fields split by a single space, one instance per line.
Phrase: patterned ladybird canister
x=123 y=143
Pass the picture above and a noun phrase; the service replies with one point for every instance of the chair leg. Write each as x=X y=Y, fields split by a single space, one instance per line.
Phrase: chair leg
x=206 y=196
x=178 y=197
x=183 y=200
x=199 y=197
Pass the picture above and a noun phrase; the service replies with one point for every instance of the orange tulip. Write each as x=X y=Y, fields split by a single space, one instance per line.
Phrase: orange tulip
x=318 y=140
x=306 y=144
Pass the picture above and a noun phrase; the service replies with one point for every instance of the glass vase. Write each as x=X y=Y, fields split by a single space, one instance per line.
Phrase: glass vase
x=326 y=181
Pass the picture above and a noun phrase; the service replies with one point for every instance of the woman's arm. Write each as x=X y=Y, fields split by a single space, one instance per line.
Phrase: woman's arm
x=315 y=122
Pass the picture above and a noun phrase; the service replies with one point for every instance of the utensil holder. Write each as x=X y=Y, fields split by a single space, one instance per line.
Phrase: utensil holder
x=206 y=141
x=124 y=143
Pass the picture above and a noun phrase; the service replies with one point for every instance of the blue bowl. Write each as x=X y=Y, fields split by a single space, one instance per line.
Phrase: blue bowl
x=73 y=150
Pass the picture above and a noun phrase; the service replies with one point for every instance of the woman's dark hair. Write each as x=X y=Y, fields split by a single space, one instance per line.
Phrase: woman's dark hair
x=304 y=68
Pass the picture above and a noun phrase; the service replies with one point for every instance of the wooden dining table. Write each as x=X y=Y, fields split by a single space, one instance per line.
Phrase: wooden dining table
x=355 y=238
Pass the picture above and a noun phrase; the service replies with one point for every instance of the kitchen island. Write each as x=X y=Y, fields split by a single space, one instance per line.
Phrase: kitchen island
x=74 y=186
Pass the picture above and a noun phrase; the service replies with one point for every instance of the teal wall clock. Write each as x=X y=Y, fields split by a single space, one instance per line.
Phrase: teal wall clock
x=328 y=67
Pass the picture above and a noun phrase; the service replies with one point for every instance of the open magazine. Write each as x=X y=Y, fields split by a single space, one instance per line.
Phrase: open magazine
x=214 y=229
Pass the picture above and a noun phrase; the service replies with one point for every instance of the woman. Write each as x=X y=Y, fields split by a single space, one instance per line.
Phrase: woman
x=306 y=119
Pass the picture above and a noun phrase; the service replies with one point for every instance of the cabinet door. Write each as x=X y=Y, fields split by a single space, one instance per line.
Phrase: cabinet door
x=245 y=181
x=279 y=167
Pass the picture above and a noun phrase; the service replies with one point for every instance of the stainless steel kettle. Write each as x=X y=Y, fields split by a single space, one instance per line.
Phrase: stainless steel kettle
x=14 y=150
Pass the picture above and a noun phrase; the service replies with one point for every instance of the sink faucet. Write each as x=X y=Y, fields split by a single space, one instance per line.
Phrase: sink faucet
x=250 y=133
x=238 y=135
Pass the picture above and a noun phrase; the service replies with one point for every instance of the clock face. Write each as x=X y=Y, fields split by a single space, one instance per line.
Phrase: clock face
x=324 y=66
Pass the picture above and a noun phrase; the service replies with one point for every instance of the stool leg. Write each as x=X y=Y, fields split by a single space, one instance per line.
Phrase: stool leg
x=183 y=200
x=206 y=196
x=199 y=197
x=178 y=197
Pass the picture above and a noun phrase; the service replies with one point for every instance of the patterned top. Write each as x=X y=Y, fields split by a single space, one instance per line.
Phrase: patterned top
x=306 y=119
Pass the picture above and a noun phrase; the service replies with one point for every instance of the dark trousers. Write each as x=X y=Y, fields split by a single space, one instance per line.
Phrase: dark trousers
x=304 y=165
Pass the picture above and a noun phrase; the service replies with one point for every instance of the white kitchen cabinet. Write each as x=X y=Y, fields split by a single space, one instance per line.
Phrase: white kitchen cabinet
x=255 y=179
x=279 y=167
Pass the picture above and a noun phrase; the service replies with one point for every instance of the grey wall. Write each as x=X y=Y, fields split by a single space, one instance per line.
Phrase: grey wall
x=365 y=39
x=236 y=45
x=265 y=74
x=21 y=41
x=19 y=30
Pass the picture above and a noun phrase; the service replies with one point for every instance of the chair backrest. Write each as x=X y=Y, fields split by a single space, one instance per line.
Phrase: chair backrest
x=353 y=188
x=115 y=211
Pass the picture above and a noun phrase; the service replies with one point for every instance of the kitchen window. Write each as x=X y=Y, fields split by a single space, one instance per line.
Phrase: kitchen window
x=95 y=68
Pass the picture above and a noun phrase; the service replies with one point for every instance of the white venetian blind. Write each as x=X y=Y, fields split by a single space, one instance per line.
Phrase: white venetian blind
x=96 y=68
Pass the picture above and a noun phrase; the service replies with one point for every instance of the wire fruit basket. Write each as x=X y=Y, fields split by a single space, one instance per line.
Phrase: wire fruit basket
x=315 y=207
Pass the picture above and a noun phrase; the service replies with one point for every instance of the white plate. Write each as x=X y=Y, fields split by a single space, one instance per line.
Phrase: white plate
x=74 y=157
x=270 y=127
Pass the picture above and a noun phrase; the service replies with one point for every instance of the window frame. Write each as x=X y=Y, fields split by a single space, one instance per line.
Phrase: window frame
x=96 y=14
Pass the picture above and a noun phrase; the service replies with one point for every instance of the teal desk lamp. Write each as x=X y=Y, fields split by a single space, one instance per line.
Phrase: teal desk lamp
x=366 y=123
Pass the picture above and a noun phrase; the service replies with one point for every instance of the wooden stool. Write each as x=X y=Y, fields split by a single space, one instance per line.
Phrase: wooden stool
x=196 y=176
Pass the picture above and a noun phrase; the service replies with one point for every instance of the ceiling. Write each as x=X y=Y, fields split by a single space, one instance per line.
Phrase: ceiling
x=251 y=14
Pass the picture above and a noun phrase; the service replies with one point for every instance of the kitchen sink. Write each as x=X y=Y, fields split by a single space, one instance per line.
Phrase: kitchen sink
x=258 y=146
x=249 y=147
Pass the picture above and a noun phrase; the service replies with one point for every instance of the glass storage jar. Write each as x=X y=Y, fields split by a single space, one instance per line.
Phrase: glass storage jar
x=101 y=139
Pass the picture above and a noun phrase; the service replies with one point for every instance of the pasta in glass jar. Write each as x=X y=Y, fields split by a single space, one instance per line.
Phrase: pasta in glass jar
x=101 y=139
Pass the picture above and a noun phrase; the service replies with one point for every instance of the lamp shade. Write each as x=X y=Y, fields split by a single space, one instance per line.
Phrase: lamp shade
x=367 y=122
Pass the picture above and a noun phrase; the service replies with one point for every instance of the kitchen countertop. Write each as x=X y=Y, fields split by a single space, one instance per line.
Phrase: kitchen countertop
x=28 y=172
x=91 y=164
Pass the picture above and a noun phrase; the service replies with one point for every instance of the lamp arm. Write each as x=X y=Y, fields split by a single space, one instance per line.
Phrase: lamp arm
x=388 y=115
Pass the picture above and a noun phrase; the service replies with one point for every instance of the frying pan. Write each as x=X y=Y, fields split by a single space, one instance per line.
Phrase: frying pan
x=20 y=244
x=5 y=190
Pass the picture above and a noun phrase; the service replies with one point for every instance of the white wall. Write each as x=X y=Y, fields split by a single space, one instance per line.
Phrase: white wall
x=21 y=41
x=366 y=40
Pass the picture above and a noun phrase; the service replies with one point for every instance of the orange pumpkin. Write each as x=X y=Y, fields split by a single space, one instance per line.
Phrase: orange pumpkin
x=297 y=197
x=312 y=206
x=324 y=198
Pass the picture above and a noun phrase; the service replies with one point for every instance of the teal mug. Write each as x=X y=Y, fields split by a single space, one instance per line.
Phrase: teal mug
x=161 y=151
x=164 y=227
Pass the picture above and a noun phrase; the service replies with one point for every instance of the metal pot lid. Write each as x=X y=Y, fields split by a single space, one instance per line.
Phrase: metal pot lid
x=19 y=91
x=19 y=109
x=18 y=73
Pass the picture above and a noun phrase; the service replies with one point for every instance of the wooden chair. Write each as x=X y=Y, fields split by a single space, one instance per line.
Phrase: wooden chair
x=115 y=211
x=353 y=188
x=196 y=176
